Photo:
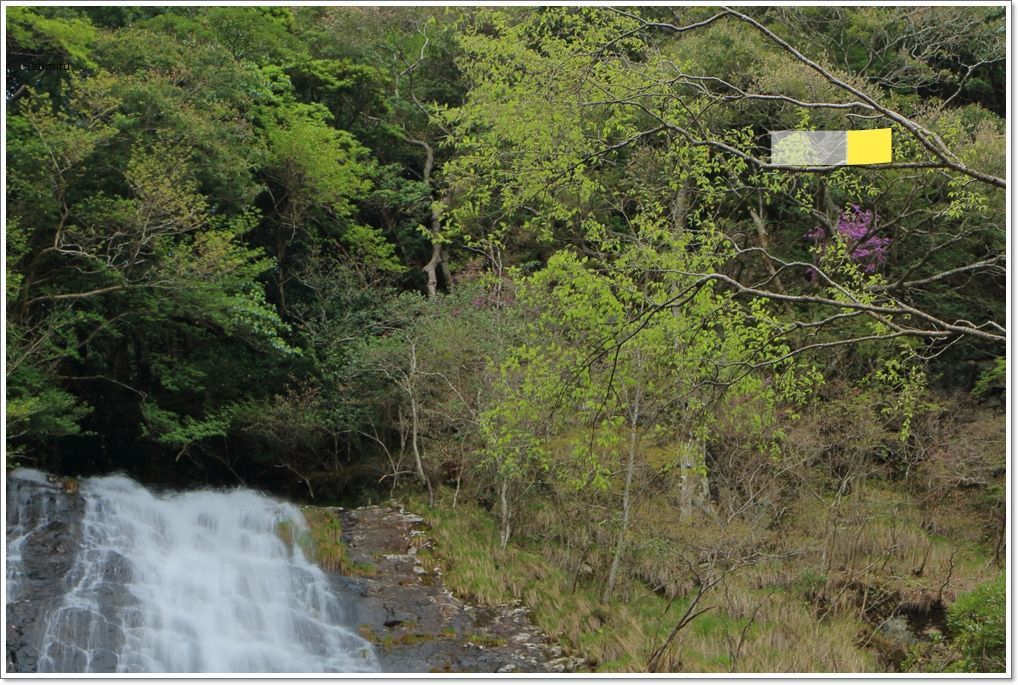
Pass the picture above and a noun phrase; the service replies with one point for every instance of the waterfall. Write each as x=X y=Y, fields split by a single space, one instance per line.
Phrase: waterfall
x=27 y=512
x=193 y=582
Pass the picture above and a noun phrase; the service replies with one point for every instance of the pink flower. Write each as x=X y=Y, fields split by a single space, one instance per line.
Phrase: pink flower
x=857 y=228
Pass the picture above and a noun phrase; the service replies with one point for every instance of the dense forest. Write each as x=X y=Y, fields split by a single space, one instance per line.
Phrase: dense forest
x=530 y=272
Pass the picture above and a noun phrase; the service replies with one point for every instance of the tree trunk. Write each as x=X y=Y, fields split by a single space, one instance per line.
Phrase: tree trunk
x=418 y=460
x=431 y=268
x=439 y=252
x=620 y=544
x=680 y=206
x=443 y=266
x=760 y=223
x=505 y=513
x=280 y=275
x=687 y=473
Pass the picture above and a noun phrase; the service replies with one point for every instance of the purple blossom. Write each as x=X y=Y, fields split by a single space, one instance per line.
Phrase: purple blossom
x=858 y=229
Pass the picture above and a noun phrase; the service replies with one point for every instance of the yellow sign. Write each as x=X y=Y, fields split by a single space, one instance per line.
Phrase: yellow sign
x=831 y=148
x=871 y=146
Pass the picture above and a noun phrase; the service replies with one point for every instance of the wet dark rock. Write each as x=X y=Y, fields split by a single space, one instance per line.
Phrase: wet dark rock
x=416 y=624
x=49 y=516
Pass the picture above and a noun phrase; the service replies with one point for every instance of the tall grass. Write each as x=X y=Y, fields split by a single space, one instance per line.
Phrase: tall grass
x=748 y=630
x=321 y=540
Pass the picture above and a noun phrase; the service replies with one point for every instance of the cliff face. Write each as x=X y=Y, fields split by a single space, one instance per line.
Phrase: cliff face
x=43 y=528
x=403 y=608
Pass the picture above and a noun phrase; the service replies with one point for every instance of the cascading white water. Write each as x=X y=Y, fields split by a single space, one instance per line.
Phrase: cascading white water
x=194 y=582
x=26 y=513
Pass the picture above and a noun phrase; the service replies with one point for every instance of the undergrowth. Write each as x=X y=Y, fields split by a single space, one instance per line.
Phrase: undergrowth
x=619 y=635
x=322 y=542
x=856 y=562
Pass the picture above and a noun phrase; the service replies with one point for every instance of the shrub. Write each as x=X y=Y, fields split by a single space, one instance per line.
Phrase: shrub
x=976 y=621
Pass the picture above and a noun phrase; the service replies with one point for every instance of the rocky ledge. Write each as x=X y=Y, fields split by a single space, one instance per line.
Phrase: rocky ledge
x=416 y=624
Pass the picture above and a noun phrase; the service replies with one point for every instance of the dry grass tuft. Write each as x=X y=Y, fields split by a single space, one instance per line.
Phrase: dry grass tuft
x=321 y=540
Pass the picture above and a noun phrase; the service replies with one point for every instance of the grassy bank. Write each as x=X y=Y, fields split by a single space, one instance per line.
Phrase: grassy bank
x=819 y=602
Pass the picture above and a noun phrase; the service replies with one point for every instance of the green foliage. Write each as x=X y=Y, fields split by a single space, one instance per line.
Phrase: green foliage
x=31 y=28
x=37 y=407
x=219 y=221
x=993 y=379
x=258 y=34
x=977 y=623
x=171 y=429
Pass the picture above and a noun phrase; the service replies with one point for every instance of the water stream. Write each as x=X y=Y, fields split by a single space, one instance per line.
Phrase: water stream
x=186 y=582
